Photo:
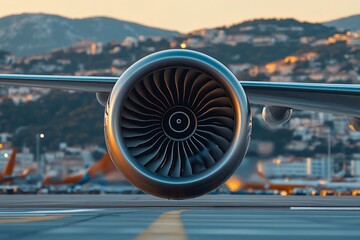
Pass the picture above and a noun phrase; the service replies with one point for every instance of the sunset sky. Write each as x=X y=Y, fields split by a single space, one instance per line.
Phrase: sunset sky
x=187 y=15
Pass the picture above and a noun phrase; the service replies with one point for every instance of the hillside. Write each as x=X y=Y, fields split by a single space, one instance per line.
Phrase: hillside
x=75 y=118
x=269 y=50
x=28 y=34
x=350 y=23
x=290 y=26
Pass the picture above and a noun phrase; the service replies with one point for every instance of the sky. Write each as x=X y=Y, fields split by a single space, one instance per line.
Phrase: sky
x=187 y=15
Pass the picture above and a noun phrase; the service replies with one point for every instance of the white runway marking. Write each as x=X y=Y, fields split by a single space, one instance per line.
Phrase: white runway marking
x=66 y=211
x=327 y=208
x=43 y=212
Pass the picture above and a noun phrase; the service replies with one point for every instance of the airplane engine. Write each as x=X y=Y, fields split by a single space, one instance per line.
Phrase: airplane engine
x=177 y=124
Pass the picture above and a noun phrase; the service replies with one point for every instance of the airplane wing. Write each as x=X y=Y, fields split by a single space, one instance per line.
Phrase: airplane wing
x=72 y=179
x=98 y=167
x=342 y=99
x=77 y=83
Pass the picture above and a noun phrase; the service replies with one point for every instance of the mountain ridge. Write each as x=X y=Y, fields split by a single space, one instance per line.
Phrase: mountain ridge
x=350 y=22
x=27 y=34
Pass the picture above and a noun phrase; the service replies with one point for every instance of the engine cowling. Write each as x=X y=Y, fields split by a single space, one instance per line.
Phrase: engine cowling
x=275 y=116
x=177 y=124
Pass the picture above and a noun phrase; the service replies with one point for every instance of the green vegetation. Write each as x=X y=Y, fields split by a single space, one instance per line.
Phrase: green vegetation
x=74 y=118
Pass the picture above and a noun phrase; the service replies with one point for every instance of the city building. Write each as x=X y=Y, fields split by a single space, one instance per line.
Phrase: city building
x=291 y=167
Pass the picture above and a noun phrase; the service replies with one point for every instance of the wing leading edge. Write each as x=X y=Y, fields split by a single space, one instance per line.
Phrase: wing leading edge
x=77 y=83
x=342 y=99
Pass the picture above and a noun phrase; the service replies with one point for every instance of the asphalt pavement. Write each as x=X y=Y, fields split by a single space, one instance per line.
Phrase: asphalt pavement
x=210 y=217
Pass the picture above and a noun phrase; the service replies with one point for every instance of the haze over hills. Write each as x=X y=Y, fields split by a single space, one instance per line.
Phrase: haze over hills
x=27 y=34
x=350 y=23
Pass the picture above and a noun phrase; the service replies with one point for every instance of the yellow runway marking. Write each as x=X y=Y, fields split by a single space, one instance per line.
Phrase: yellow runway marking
x=167 y=226
x=31 y=218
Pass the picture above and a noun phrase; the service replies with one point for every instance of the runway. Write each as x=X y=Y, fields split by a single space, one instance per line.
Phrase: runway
x=210 y=217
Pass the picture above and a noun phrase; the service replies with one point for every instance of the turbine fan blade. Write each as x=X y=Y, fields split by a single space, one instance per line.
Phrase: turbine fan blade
x=177 y=122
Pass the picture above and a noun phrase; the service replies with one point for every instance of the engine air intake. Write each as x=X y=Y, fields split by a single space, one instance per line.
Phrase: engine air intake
x=177 y=122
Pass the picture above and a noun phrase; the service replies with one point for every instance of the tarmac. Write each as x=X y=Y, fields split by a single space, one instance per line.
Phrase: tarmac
x=210 y=217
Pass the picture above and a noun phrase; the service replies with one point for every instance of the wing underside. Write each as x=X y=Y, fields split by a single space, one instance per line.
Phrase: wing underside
x=342 y=99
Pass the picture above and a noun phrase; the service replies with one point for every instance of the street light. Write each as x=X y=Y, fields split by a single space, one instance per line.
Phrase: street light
x=39 y=136
x=183 y=45
x=329 y=166
x=6 y=155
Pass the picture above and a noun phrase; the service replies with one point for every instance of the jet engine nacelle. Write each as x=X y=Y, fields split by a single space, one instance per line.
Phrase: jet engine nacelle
x=276 y=116
x=177 y=124
x=102 y=98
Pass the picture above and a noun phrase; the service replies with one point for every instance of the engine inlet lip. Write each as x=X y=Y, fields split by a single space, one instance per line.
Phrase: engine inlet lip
x=213 y=176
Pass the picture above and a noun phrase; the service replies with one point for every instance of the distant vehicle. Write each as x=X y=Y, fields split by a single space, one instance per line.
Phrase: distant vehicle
x=178 y=122
x=249 y=180
x=257 y=182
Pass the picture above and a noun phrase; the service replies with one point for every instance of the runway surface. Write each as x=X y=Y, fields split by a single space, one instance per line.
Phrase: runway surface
x=210 y=217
